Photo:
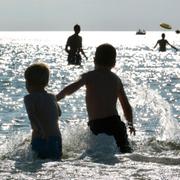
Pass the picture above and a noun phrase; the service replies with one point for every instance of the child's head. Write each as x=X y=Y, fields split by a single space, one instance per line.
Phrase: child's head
x=105 y=55
x=37 y=76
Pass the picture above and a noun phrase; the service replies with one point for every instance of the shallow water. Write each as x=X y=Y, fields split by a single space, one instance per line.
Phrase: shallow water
x=151 y=80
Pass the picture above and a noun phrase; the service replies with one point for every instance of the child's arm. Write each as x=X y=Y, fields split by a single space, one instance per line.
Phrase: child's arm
x=31 y=114
x=70 y=89
x=59 y=110
x=126 y=108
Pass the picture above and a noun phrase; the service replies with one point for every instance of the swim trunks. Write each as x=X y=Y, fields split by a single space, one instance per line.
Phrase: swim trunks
x=74 y=59
x=112 y=126
x=47 y=149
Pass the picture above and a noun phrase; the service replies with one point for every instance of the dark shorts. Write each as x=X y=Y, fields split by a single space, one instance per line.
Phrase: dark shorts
x=74 y=59
x=111 y=126
x=48 y=149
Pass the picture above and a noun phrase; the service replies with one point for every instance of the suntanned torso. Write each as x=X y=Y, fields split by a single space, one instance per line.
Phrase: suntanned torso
x=102 y=87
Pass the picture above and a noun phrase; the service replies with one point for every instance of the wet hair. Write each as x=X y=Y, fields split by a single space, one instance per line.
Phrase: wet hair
x=37 y=75
x=105 y=55
x=77 y=28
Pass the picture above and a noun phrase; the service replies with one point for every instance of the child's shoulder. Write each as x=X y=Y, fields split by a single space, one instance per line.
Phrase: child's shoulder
x=86 y=77
x=97 y=71
x=89 y=73
x=38 y=98
x=38 y=94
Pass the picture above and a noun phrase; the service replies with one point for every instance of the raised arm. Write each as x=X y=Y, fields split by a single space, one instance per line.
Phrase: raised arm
x=126 y=108
x=70 y=89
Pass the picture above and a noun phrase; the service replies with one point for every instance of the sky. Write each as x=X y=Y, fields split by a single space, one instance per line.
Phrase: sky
x=92 y=15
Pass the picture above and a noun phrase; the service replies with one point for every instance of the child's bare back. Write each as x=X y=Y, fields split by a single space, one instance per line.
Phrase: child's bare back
x=102 y=87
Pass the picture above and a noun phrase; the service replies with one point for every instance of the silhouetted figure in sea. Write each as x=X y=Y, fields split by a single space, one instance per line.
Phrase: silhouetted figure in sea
x=162 y=44
x=103 y=89
x=74 y=47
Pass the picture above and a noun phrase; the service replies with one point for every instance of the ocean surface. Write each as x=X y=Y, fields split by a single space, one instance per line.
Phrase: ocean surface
x=151 y=80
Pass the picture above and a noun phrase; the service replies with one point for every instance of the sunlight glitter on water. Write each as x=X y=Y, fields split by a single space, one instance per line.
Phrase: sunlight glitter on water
x=151 y=80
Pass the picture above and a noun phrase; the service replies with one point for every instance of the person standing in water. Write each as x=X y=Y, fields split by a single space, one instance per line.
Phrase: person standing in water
x=162 y=44
x=74 y=47
x=43 y=112
x=103 y=89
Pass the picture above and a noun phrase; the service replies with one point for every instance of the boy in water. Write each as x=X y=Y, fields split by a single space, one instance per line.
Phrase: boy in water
x=103 y=88
x=43 y=112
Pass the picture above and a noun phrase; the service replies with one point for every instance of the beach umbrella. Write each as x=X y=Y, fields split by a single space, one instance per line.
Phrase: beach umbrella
x=165 y=26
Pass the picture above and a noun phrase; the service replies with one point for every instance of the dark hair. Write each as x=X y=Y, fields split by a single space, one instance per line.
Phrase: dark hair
x=105 y=55
x=163 y=35
x=37 y=75
x=77 y=28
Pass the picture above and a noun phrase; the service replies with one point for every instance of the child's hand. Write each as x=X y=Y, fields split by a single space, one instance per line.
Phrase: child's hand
x=59 y=96
x=132 y=130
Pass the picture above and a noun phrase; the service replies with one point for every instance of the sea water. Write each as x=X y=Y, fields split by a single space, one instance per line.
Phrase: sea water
x=151 y=80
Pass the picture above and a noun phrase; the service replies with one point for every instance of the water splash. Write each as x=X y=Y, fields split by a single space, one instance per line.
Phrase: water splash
x=151 y=80
x=16 y=147
x=153 y=113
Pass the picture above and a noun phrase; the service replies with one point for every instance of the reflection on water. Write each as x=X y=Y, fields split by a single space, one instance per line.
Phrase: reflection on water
x=151 y=80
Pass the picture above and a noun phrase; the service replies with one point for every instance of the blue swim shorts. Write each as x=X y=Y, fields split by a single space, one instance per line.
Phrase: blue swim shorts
x=50 y=148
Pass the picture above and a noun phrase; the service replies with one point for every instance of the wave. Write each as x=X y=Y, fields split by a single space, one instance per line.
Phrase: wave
x=80 y=143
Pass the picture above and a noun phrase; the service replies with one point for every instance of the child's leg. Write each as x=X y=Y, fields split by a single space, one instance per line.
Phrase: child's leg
x=39 y=146
x=120 y=135
x=48 y=149
x=112 y=126
x=54 y=147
